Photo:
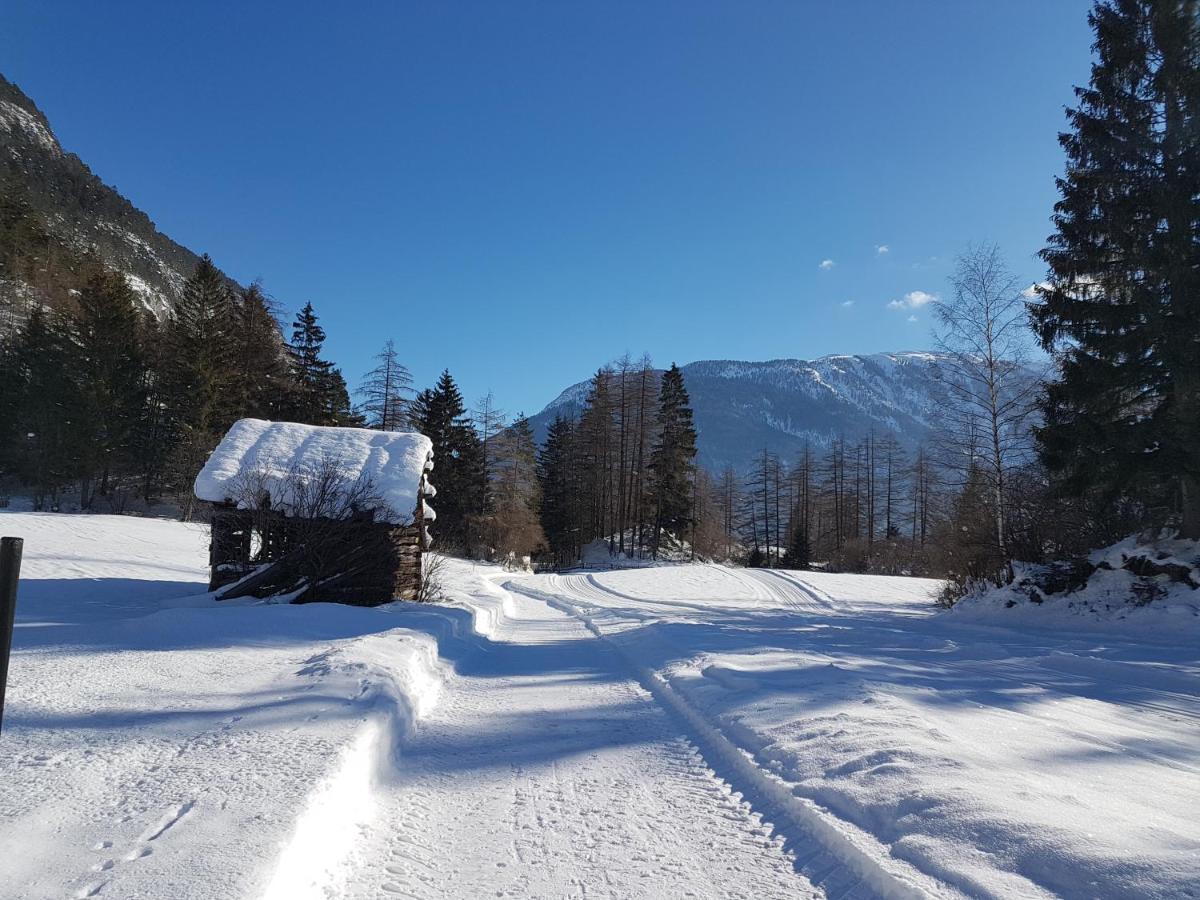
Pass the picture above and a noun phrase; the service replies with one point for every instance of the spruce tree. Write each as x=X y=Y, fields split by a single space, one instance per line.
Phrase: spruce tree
x=440 y=415
x=203 y=379
x=1122 y=309
x=200 y=382
x=111 y=377
x=672 y=458
x=264 y=380
x=320 y=396
x=557 y=474
x=597 y=433
x=799 y=555
x=47 y=411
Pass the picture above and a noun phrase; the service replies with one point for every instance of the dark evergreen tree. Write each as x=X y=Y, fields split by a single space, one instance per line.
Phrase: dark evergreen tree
x=110 y=371
x=557 y=473
x=672 y=459
x=202 y=375
x=597 y=439
x=46 y=454
x=799 y=554
x=440 y=415
x=320 y=396
x=200 y=388
x=154 y=432
x=260 y=363
x=1122 y=310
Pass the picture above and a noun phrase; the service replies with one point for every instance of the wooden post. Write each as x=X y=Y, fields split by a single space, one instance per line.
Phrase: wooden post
x=10 y=571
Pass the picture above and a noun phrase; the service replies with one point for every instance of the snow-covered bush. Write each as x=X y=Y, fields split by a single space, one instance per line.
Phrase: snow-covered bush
x=1160 y=576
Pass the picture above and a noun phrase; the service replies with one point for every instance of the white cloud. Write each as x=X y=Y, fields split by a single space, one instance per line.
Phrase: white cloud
x=913 y=300
x=882 y=249
x=847 y=303
x=827 y=264
x=912 y=318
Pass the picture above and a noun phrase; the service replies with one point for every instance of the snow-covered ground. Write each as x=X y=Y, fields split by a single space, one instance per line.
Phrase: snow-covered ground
x=156 y=747
x=684 y=730
x=943 y=752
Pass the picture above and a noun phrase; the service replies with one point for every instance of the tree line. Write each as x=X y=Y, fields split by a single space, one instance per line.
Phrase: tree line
x=101 y=399
x=1024 y=463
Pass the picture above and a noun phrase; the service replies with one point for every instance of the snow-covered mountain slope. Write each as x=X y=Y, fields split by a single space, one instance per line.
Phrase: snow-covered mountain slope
x=82 y=211
x=741 y=407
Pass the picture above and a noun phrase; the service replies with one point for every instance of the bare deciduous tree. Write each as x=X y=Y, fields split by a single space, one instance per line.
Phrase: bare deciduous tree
x=984 y=334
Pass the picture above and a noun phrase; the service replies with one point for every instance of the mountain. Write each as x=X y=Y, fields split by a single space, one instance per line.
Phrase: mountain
x=79 y=213
x=741 y=407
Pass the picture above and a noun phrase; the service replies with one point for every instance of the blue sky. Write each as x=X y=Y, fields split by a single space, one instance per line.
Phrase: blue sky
x=521 y=191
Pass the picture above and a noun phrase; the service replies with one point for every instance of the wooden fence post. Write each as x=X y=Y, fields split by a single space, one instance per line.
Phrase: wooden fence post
x=10 y=571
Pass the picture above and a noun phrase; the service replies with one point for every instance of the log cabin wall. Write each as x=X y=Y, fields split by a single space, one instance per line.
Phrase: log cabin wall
x=355 y=561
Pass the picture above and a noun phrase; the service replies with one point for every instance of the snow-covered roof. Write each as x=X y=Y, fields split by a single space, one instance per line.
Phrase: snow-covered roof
x=258 y=457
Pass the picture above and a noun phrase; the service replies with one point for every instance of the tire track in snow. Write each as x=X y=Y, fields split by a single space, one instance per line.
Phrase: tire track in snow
x=842 y=860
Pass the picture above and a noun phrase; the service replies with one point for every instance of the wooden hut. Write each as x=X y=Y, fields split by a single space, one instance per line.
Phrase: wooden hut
x=309 y=513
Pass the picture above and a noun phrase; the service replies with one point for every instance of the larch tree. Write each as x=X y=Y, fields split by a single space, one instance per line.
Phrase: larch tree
x=385 y=391
x=514 y=530
x=489 y=421
x=1121 y=311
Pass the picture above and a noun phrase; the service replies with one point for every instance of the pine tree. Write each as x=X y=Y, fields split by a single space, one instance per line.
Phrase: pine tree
x=1122 y=310
x=672 y=458
x=384 y=391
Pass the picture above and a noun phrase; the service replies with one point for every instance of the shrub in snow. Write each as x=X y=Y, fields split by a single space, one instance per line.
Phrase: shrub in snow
x=1115 y=582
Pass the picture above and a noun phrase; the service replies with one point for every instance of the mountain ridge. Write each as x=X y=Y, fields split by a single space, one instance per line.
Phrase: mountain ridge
x=742 y=406
x=81 y=211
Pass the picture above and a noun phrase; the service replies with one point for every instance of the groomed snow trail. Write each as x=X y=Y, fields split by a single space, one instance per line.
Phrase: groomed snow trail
x=548 y=771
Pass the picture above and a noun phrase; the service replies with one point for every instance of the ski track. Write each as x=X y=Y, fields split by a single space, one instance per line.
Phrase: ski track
x=1050 y=684
x=549 y=771
x=835 y=857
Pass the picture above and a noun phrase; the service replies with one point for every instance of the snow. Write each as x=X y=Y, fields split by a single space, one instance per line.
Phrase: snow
x=666 y=731
x=156 y=743
x=1112 y=595
x=257 y=455
x=14 y=118
x=922 y=750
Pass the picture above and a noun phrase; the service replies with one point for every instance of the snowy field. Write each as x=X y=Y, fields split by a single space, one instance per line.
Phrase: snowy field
x=682 y=731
